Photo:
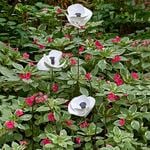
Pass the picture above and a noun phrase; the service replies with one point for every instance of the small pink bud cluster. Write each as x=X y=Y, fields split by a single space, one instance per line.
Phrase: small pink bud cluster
x=46 y=141
x=9 y=124
x=117 y=39
x=118 y=80
x=36 y=99
x=84 y=124
x=25 y=76
x=98 y=45
x=51 y=117
x=112 y=97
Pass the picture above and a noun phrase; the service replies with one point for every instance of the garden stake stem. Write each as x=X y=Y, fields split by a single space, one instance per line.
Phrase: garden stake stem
x=50 y=84
x=90 y=88
x=32 y=126
x=61 y=25
x=94 y=112
x=52 y=75
x=51 y=81
x=50 y=91
x=78 y=72
x=105 y=127
x=78 y=69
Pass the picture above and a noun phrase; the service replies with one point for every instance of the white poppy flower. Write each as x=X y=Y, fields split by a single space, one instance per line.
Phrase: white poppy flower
x=81 y=105
x=50 y=60
x=78 y=15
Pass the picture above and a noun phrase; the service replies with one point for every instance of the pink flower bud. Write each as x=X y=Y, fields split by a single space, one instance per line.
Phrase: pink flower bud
x=51 y=117
x=88 y=76
x=77 y=140
x=122 y=122
x=9 y=124
x=19 y=112
x=26 y=55
x=46 y=141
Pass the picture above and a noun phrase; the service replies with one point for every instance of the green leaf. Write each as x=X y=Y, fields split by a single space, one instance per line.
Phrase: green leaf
x=2 y=20
x=48 y=146
x=88 y=146
x=147 y=135
x=118 y=65
x=146 y=115
x=91 y=129
x=145 y=54
x=84 y=91
x=70 y=47
x=102 y=64
x=74 y=70
x=125 y=74
x=42 y=108
x=26 y=117
x=116 y=131
x=133 y=108
x=63 y=133
x=135 y=125
x=6 y=72
x=15 y=145
x=145 y=65
x=17 y=66
x=135 y=61
x=60 y=101
x=128 y=146
x=20 y=126
x=117 y=139
x=118 y=52
x=99 y=142
x=6 y=147
x=11 y=23
x=87 y=139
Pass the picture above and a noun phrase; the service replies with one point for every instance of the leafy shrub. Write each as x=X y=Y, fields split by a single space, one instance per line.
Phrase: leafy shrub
x=34 y=103
x=122 y=16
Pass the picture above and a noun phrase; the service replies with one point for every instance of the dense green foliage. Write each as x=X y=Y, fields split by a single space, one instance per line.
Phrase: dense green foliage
x=114 y=70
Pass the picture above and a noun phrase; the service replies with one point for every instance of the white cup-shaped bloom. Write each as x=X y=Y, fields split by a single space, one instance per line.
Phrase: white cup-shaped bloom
x=81 y=105
x=78 y=15
x=52 y=60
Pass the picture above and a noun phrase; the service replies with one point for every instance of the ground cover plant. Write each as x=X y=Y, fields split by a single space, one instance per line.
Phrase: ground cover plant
x=66 y=83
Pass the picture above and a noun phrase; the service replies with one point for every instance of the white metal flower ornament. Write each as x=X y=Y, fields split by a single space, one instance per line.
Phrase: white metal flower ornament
x=52 y=60
x=81 y=105
x=78 y=15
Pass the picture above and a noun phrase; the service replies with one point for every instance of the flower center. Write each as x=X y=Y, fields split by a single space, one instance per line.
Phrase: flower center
x=52 y=60
x=83 y=105
x=78 y=14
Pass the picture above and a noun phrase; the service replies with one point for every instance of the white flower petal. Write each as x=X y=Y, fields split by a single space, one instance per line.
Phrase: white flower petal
x=78 y=112
x=75 y=108
x=75 y=20
x=57 y=56
x=72 y=22
x=75 y=102
x=57 y=66
x=41 y=64
x=88 y=14
x=92 y=102
x=73 y=111
x=75 y=8
x=46 y=61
